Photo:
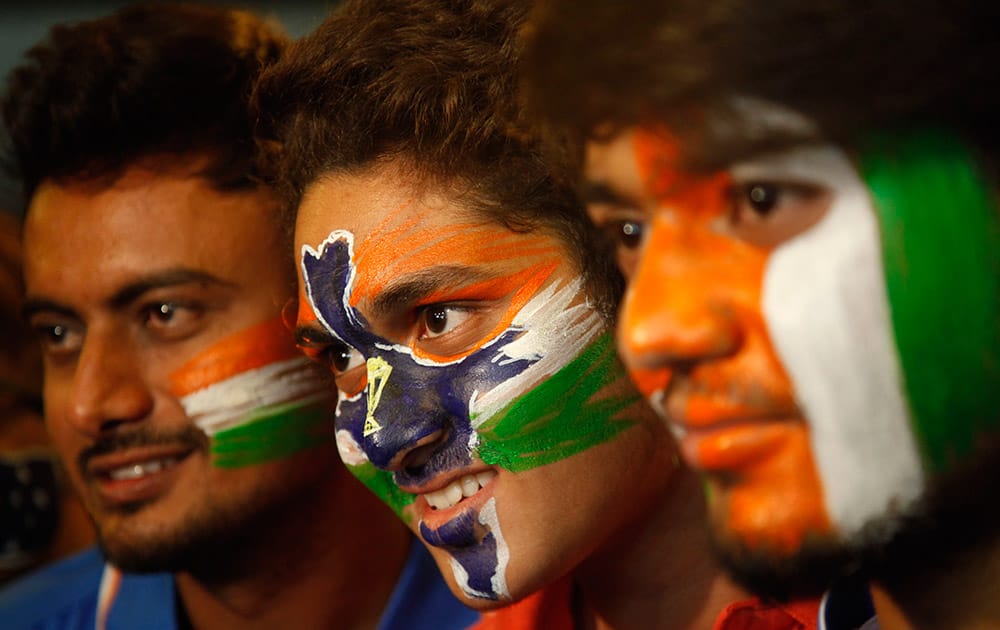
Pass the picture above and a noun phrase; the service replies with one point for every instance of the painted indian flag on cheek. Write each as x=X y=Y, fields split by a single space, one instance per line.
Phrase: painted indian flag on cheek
x=255 y=396
x=885 y=317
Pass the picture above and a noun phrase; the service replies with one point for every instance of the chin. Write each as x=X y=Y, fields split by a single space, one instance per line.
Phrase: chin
x=763 y=569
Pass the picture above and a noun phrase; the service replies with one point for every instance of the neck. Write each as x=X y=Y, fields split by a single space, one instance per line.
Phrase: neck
x=958 y=593
x=306 y=571
x=659 y=572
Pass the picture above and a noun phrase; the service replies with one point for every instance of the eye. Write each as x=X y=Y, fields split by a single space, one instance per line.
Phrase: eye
x=342 y=357
x=58 y=339
x=171 y=319
x=762 y=198
x=767 y=213
x=438 y=320
x=627 y=233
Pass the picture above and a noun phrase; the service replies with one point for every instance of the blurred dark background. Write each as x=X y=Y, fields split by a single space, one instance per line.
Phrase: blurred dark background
x=22 y=24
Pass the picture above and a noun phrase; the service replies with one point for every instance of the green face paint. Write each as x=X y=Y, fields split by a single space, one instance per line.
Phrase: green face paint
x=380 y=482
x=940 y=231
x=561 y=416
x=272 y=433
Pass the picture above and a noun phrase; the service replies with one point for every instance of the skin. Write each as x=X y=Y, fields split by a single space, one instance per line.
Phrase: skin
x=783 y=296
x=701 y=351
x=126 y=281
x=590 y=496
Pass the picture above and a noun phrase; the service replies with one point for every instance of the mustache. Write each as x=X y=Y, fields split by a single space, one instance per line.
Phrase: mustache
x=188 y=437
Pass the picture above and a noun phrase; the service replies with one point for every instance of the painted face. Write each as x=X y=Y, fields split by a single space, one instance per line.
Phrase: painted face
x=480 y=396
x=780 y=318
x=173 y=392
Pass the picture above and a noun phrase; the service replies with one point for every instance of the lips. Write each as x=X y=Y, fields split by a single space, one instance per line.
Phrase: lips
x=464 y=487
x=135 y=475
x=726 y=432
x=448 y=513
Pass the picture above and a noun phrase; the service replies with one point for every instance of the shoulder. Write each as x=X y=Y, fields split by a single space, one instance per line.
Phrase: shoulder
x=61 y=595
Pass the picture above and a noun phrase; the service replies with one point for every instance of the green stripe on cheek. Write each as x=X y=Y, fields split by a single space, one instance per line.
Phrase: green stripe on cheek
x=272 y=433
x=941 y=249
x=381 y=483
x=561 y=416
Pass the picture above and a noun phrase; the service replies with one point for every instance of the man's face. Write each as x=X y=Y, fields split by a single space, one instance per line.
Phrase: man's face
x=766 y=320
x=168 y=374
x=480 y=396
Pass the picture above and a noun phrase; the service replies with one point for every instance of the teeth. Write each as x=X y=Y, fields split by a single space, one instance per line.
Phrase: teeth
x=142 y=469
x=451 y=494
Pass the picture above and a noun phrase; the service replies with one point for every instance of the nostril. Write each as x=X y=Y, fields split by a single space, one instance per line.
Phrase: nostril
x=416 y=457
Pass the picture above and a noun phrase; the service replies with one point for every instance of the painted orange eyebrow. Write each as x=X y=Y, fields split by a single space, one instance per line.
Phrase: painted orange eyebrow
x=523 y=284
x=379 y=261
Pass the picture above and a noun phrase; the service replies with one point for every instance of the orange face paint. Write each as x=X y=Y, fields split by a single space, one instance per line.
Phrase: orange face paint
x=268 y=342
x=692 y=320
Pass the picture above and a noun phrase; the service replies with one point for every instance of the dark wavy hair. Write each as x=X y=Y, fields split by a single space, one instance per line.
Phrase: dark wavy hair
x=434 y=84
x=848 y=65
x=150 y=79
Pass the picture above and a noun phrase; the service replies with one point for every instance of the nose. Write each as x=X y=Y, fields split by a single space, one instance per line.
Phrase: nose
x=406 y=420
x=677 y=309
x=108 y=386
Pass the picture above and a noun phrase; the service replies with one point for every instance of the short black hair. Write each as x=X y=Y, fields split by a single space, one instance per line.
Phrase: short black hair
x=432 y=83
x=151 y=79
x=850 y=66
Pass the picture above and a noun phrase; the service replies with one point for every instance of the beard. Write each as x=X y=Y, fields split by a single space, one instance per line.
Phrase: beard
x=218 y=536
x=910 y=553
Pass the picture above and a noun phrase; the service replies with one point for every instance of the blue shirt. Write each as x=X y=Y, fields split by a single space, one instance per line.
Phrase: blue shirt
x=67 y=596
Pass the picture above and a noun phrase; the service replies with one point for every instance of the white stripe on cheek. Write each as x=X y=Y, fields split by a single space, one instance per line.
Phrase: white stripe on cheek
x=826 y=309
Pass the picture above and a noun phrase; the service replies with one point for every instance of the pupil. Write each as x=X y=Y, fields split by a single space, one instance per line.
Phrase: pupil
x=166 y=310
x=58 y=332
x=631 y=234
x=763 y=197
x=341 y=357
x=437 y=319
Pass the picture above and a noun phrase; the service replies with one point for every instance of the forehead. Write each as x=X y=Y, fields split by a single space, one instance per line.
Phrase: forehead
x=399 y=225
x=83 y=236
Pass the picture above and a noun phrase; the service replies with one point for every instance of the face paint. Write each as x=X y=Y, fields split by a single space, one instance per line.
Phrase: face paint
x=521 y=396
x=255 y=396
x=857 y=318
x=693 y=335
x=940 y=237
x=827 y=314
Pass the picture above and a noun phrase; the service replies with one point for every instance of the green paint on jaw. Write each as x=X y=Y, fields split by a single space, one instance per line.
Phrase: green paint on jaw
x=561 y=416
x=272 y=433
x=381 y=483
x=941 y=249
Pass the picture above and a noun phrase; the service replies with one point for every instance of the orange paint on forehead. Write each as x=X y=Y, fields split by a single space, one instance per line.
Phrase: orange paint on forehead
x=254 y=347
x=389 y=253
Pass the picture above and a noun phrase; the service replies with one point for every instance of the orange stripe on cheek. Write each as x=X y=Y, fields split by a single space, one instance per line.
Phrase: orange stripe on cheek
x=254 y=347
x=529 y=282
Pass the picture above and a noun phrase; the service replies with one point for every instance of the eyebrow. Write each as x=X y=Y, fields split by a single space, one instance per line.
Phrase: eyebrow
x=403 y=292
x=600 y=192
x=167 y=278
x=312 y=334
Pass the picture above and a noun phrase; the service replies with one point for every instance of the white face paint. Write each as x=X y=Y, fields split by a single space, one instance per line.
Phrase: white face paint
x=825 y=303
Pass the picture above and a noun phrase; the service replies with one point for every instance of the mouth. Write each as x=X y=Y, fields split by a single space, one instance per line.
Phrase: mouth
x=448 y=514
x=136 y=475
x=725 y=433
x=464 y=487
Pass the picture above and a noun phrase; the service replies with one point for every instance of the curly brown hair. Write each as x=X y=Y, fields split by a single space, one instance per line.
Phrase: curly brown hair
x=433 y=84
x=150 y=79
x=850 y=66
